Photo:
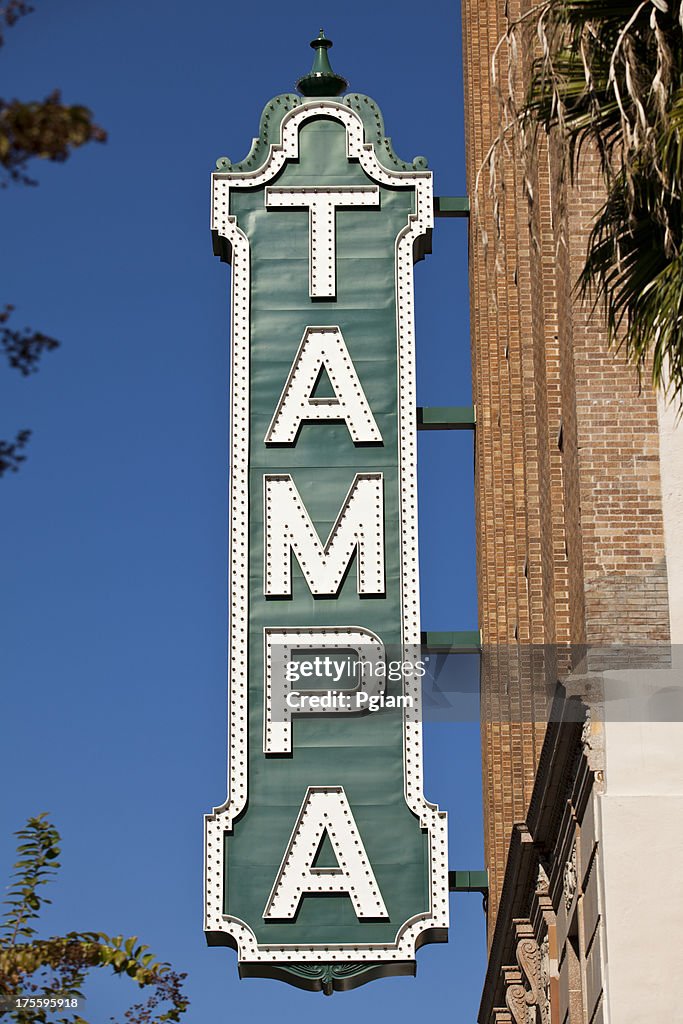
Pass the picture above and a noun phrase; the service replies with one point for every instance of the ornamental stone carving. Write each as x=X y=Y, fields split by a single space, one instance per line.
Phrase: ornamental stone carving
x=526 y=985
x=586 y=737
x=545 y=975
x=593 y=742
x=542 y=883
x=570 y=879
x=516 y=1002
x=530 y=960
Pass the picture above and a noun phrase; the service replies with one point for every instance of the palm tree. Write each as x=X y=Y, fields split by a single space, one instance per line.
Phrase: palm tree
x=609 y=75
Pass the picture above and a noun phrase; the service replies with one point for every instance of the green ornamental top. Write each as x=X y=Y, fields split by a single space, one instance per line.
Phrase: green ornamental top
x=321 y=79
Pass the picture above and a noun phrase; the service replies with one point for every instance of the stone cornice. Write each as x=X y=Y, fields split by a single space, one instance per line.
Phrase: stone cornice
x=563 y=775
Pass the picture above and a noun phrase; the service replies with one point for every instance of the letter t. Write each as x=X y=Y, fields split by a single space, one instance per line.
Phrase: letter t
x=322 y=204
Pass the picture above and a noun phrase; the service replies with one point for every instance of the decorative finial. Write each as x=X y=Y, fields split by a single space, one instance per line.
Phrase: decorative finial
x=321 y=79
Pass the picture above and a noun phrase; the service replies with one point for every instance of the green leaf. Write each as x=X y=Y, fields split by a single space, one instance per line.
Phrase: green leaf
x=60 y=963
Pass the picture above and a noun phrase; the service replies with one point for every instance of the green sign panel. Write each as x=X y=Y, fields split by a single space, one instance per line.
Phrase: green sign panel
x=326 y=867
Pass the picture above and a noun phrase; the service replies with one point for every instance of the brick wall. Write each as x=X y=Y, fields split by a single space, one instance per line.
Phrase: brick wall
x=570 y=539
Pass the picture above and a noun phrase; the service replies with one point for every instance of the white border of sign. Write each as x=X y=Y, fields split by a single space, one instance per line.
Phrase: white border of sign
x=223 y=927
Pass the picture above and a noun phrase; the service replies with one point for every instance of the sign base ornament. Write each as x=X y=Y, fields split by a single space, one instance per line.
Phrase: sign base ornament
x=326 y=867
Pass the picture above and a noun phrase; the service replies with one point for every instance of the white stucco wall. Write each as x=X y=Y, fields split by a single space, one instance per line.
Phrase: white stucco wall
x=642 y=839
x=671 y=472
x=641 y=810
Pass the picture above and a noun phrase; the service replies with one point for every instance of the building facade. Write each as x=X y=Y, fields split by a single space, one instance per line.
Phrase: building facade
x=579 y=492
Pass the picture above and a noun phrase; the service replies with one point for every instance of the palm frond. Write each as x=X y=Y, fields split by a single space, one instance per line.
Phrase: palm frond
x=607 y=77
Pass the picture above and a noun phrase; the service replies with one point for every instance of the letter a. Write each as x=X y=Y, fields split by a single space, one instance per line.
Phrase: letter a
x=322 y=347
x=325 y=812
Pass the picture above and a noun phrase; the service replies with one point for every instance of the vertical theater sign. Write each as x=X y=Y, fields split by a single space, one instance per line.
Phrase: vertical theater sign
x=326 y=867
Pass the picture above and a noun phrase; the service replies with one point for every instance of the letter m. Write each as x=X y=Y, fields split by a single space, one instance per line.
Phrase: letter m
x=288 y=528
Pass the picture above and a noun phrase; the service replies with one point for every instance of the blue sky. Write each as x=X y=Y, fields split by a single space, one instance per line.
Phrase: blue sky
x=114 y=536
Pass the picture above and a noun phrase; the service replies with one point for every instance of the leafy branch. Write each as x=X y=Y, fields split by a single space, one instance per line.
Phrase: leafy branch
x=10 y=12
x=57 y=967
x=38 y=850
x=11 y=456
x=48 y=129
x=24 y=346
x=37 y=129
